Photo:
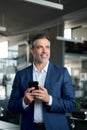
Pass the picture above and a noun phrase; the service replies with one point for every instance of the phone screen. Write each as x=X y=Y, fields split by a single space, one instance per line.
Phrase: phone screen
x=33 y=84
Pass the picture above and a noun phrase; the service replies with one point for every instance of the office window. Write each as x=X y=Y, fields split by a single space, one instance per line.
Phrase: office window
x=4 y=49
x=67 y=33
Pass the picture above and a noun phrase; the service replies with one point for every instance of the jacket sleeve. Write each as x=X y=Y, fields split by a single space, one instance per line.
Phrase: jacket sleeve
x=15 y=101
x=66 y=102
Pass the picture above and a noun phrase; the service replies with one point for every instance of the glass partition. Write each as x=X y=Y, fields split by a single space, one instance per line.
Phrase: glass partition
x=77 y=66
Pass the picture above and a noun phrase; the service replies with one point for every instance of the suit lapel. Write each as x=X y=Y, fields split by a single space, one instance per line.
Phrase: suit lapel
x=53 y=74
x=49 y=77
x=30 y=73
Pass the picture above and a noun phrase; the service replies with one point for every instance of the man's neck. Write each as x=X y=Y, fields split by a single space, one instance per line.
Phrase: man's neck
x=40 y=66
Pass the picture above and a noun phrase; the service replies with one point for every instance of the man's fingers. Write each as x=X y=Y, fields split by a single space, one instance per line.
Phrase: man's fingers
x=29 y=90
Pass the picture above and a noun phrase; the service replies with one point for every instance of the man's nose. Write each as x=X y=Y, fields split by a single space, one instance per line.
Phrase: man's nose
x=44 y=49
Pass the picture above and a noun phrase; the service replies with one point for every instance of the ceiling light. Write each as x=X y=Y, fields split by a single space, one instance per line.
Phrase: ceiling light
x=2 y=27
x=47 y=3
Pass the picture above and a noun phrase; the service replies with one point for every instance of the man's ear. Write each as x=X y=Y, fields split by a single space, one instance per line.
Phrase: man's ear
x=31 y=51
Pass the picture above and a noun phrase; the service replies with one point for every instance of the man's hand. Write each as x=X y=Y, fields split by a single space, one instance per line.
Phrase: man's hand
x=28 y=97
x=41 y=94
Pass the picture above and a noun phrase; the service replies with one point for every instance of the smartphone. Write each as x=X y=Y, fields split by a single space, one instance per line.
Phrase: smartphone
x=33 y=84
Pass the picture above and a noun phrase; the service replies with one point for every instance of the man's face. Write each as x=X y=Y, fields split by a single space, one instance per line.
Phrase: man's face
x=41 y=50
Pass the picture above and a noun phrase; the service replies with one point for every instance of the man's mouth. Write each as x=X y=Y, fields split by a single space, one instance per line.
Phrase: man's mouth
x=44 y=55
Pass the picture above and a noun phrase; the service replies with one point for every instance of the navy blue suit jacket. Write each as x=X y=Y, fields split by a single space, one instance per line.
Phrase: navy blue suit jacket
x=59 y=85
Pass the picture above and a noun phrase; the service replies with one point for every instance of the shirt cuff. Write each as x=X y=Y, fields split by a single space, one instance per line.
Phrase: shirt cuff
x=50 y=101
x=24 y=105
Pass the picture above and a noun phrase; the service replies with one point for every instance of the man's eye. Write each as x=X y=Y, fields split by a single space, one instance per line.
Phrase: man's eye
x=48 y=47
x=38 y=47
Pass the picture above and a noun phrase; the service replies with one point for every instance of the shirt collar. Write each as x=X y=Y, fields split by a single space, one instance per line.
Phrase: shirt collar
x=43 y=70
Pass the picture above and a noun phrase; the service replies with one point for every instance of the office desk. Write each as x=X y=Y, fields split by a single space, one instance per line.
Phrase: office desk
x=8 y=126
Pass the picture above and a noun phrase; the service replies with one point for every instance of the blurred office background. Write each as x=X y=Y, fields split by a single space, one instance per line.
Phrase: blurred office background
x=67 y=27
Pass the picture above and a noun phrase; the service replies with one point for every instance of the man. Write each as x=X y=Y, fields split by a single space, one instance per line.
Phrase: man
x=44 y=108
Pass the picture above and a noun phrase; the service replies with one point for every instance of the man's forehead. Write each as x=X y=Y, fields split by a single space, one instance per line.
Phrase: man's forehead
x=43 y=41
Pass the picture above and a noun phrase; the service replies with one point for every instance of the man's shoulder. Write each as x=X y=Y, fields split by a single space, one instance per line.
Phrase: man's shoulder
x=24 y=70
x=57 y=67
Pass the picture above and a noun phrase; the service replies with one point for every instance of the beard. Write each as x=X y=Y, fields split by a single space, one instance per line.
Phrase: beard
x=41 y=60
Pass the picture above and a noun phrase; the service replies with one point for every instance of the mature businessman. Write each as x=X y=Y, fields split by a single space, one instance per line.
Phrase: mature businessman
x=44 y=108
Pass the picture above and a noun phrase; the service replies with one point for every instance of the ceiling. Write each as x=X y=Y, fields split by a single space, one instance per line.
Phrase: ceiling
x=22 y=17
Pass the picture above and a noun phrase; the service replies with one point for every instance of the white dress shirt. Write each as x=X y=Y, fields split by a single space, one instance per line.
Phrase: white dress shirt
x=39 y=76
